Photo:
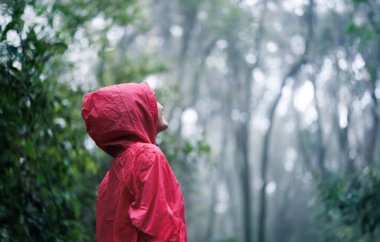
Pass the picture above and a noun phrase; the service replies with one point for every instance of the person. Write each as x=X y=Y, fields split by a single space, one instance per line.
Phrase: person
x=139 y=199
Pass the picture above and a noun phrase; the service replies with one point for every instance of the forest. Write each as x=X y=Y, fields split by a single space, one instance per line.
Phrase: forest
x=273 y=110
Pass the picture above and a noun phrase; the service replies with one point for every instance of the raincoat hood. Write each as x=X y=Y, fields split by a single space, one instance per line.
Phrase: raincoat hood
x=120 y=115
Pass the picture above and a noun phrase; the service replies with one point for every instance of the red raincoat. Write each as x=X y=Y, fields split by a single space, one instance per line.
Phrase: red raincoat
x=139 y=198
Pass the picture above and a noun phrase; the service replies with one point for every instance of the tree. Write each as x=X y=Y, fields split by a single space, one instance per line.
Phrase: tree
x=47 y=178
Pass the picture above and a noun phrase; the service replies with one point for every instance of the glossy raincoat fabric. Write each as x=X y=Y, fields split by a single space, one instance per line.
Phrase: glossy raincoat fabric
x=139 y=198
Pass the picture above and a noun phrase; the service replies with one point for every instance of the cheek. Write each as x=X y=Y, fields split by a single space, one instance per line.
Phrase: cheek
x=161 y=119
x=159 y=115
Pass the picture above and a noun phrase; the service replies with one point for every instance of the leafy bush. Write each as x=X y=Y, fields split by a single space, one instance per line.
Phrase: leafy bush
x=350 y=206
x=46 y=191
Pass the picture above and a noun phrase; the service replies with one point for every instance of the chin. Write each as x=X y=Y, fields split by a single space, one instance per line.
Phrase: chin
x=162 y=127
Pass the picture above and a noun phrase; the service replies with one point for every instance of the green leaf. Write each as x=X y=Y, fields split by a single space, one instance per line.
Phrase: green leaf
x=30 y=149
x=187 y=148
x=361 y=31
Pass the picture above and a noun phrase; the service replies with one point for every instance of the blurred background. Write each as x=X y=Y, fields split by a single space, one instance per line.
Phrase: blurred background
x=273 y=108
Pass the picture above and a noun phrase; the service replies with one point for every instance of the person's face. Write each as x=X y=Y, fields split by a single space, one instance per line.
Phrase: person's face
x=162 y=124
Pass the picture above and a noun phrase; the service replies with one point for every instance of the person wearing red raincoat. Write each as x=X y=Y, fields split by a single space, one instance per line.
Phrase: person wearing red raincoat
x=139 y=199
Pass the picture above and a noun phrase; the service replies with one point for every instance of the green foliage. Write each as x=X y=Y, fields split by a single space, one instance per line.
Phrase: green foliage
x=47 y=180
x=45 y=191
x=368 y=30
x=185 y=158
x=362 y=32
x=350 y=206
x=186 y=151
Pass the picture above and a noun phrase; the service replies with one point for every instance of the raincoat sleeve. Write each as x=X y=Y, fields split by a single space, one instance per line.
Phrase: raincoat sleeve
x=150 y=212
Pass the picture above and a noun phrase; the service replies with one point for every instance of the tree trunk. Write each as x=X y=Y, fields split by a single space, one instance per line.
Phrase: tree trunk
x=321 y=150
x=243 y=148
x=371 y=145
x=242 y=131
x=195 y=82
x=271 y=115
x=301 y=144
